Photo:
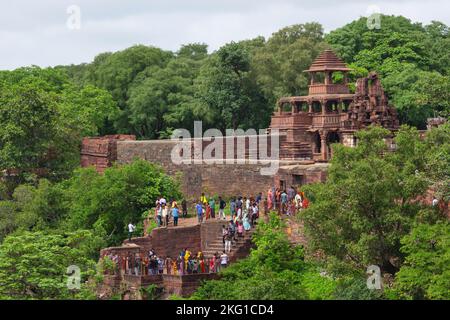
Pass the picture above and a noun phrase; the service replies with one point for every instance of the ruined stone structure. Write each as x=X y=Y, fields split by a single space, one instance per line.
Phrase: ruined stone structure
x=169 y=242
x=330 y=113
x=306 y=125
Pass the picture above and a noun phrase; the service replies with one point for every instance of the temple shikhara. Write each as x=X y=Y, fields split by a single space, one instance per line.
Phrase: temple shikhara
x=307 y=127
x=330 y=113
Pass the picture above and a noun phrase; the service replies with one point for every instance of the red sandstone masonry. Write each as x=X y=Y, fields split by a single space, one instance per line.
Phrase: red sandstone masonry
x=169 y=242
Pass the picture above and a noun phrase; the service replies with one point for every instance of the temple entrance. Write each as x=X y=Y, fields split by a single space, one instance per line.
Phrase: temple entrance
x=317 y=147
x=332 y=137
x=298 y=180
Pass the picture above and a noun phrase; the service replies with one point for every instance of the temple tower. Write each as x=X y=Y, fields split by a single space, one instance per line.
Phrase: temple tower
x=330 y=113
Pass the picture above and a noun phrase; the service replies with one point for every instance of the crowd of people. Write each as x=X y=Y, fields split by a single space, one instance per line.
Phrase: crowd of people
x=140 y=264
x=286 y=201
x=242 y=210
x=243 y=214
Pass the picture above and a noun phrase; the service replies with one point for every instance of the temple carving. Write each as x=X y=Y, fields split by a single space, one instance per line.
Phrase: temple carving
x=330 y=113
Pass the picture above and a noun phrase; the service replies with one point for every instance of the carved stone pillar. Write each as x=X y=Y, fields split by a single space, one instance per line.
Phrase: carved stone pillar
x=323 y=144
x=327 y=78
x=293 y=108
x=323 y=103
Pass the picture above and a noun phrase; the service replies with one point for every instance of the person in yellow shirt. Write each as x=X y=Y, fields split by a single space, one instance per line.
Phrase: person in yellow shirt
x=187 y=254
x=203 y=199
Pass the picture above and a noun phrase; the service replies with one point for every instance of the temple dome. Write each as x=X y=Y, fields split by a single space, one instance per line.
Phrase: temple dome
x=328 y=61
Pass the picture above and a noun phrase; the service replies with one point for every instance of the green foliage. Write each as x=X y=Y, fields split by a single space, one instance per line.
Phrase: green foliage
x=110 y=201
x=412 y=59
x=151 y=292
x=365 y=207
x=355 y=288
x=105 y=264
x=115 y=72
x=279 y=64
x=33 y=265
x=28 y=120
x=274 y=270
x=425 y=273
x=228 y=92
x=44 y=117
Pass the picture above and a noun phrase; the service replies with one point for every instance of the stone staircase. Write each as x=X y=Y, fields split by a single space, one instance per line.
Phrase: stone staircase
x=239 y=249
x=295 y=150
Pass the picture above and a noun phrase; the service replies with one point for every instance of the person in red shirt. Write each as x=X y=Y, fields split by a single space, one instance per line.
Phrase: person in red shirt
x=305 y=203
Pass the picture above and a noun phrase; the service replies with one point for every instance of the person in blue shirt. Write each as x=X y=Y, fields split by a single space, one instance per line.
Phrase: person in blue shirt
x=199 y=209
x=175 y=213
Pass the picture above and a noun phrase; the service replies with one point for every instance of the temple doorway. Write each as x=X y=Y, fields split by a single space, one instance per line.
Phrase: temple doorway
x=332 y=137
x=298 y=180
x=316 y=143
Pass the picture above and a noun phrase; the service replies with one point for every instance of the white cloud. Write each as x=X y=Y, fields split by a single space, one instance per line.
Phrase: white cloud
x=36 y=33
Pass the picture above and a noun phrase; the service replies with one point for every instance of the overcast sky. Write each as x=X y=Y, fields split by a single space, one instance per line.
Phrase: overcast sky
x=37 y=32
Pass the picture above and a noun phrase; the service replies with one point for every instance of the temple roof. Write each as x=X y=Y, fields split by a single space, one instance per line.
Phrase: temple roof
x=328 y=61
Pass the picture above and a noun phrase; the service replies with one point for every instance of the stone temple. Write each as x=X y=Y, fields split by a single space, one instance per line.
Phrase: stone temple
x=306 y=125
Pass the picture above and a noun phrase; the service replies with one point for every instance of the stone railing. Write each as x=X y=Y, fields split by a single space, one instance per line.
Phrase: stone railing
x=328 y=89
x=326 y=121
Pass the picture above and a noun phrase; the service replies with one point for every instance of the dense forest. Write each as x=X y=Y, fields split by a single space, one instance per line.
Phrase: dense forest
x=53 y=214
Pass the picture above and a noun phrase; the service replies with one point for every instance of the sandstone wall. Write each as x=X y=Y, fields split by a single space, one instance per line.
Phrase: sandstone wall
x=214 y=179
x=171 y=241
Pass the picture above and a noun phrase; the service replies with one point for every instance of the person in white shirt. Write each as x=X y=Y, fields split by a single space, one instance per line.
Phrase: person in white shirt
x=131 y=228
x=223 y=260
x=435 y=202
x=298 y=201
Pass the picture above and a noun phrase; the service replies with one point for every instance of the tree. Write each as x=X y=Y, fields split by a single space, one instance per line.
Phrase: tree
x=274 y=270
x=418 y=94
x=225 y=90
x=115 y=72
x=45 y=117
x=28 y=116
x=278 y=65
x=163 y=98
x=108 y=202
x=33 y=265
x=425 y=273
x=412 y=59
x=358 y=216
